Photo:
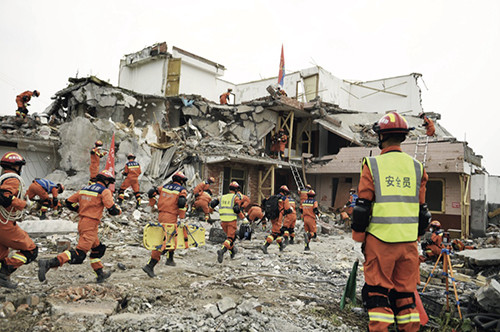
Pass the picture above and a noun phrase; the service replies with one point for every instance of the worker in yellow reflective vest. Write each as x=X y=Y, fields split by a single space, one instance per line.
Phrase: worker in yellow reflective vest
x=229 y=212
x=390 y=214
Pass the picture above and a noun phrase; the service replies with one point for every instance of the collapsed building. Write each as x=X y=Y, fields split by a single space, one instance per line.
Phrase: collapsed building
x=163 y=111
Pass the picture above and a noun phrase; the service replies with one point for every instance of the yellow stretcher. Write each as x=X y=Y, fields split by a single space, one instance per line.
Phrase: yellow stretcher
x=168 y=236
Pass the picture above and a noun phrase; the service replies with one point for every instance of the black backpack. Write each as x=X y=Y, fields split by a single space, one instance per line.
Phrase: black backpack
x=271 y=207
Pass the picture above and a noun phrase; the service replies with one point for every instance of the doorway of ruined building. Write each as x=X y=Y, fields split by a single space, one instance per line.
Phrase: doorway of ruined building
x=234 y=174
x=335 y=186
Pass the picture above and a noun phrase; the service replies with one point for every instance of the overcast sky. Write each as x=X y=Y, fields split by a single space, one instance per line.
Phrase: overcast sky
x=454 y=44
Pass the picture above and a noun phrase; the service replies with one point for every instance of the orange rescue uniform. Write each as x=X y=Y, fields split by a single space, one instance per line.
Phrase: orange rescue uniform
x=284 y=205
x=231 y=226
x=290 y=219
x=224 y=98
x=11 y=235
x=95 y=157
x=309 y=215
x=132 y=171
x=22 y=100
x=255 y=213
x=393 y=266
x=201 y=187
x=91 y=201
x=244 y=202
x=36 y=189
x=429 y=125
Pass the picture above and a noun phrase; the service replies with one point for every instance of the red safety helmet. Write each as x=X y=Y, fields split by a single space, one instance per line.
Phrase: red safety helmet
x=211 y=180
x=98 y=143
x=60 y=188
x=311 y=193
x=131 y=156
x=12 y=159
x=308 y=186
x=105 y=176
x=435 y=224
x=391 y=123
x=234 y=186
x=179 y=177
x=284 y=189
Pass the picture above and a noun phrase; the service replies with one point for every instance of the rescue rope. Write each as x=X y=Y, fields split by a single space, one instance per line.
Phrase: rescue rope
x=8 y=214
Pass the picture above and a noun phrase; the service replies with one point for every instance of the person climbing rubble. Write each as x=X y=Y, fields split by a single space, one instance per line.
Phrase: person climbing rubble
x=274 y=148
x=390 y=214
x=43 y=188
x=96 y=154
x=11 y=206
x=224 y=98
x=428 y=124
x=200 y=188
x=172 y=210
x=433 y=246
x=276 y=208
x=303 y=192
x=245 y=201
x=288 y=228
x=310 y=211
x=256 y=215
x=282 y=141
x=229 y=212
x=131 y=171
x=89 y=202
x=205 y=203
x=22 y=101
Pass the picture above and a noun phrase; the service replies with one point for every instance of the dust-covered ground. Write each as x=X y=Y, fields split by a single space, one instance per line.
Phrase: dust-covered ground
x=291 y=290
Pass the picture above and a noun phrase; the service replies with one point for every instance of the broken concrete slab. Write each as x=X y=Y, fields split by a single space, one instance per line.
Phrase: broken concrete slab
x=101 y=309
x=48 y=227
x=128 y=317
x=212 y=310
x=488 y=296
x=481 y=257
x=191 y=110
x=244 y=109
x=226 y=304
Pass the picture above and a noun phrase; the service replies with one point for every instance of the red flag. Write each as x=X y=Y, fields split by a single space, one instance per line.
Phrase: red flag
x=281 y=75
x=110 y=162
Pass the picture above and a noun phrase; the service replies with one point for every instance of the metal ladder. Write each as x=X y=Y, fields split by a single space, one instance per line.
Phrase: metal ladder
x=422 y=143
x=296 y=176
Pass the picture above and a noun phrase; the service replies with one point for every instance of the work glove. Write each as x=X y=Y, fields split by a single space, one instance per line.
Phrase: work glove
x=30 y=205
x=359 y=251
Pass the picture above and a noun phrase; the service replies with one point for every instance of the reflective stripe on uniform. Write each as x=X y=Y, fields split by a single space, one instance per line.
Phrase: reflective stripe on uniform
x=94 y=260
x=19 y=257
x=226 y=210
x=168 y=191
x=380 y=317
x=88 y=193
x=68 y=253
x=408 y=318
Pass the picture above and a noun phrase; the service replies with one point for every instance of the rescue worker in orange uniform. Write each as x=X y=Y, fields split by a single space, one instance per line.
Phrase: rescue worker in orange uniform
x=11 y=235
x=95 y=157
x=172 y=210
x=229 y=212
x=224 y=98
x=245 y=202
x=132 y=171
x=288 y=229
x=428 y=124
x=432 y=248
x=202 y=186
x=390 y=214
x=204 y=202
x=309 y=209
x=282 y=141
x=42 y=188
x=256 y=214
x=277 y=223
x=280 y=92
x=303 y=193
x=89 y=202
x=274 y=146
x=22 y=101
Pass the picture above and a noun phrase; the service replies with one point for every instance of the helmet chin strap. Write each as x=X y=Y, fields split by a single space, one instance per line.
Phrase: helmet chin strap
x=381 y=140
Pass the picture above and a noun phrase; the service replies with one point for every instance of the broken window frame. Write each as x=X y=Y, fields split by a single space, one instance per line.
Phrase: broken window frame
x=228 y=178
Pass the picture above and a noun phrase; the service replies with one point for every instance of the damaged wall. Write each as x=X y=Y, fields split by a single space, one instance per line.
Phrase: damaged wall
x=479 y=204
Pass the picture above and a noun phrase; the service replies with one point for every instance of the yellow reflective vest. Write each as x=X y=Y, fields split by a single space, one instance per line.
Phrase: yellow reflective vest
x=397 y=178
x=226 y=210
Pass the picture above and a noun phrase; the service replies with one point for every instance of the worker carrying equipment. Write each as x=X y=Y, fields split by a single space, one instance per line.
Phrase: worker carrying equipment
x=96 y=154
x=389 y=215
x=11 y=206
x=229 y=212
x=43 y=188
x=22 y=101
x=132 y=171
x=205 y=203
x=89 y=202
x=172 y=211
x=283 y=208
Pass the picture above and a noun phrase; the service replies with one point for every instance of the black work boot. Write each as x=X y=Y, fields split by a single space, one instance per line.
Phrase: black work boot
x=149 y=268
x=170 y=259
x=220 y=254
x=233 y=251
x=44 y=265
x=43 y=215
x=306 y=248
x=120 y=201
x=4 y=277
x=306 y=238
x=264 y=247
x=282 y=245
x=101 y=275
x=291 y=239
x=285 y=240
x=138 y=203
